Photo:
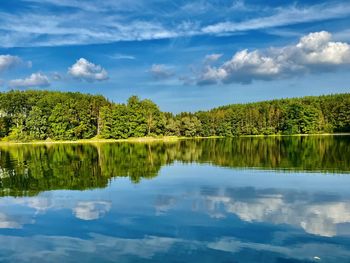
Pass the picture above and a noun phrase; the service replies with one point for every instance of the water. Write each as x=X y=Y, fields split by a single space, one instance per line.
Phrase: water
x=212 y=200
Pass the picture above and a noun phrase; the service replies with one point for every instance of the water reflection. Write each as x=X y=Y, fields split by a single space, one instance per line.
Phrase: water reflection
x=213 y=221
x=42 y=204
x=193 y=210
x=316 y=213
x=28 y=169
x=91 y=210
x=319 y=213
x=153 y=249
x=7 y=222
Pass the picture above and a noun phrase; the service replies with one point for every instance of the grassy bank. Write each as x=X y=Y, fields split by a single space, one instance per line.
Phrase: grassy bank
x=97 y=140
x=157 y=139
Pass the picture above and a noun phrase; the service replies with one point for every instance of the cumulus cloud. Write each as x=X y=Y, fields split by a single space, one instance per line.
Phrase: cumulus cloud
x=161 y=71
x=34 y=80
x=9 y=61
x=317 y=48
x=211 y=75
x=85 y=70
x=314 y=52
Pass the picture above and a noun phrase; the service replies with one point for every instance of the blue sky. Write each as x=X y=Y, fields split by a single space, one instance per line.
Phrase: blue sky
x=184 y=55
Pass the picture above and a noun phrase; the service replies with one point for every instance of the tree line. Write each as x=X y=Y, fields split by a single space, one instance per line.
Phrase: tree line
x=42 y=115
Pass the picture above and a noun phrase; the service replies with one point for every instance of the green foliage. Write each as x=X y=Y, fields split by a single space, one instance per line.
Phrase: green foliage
x=190 y=126
x=39 y=115
x=115 y=122
x=37 y=124
x=172 y=127
x=154 y=118
x=4 y=126
x=309 y=115
x=60 y=123
x=136 y=119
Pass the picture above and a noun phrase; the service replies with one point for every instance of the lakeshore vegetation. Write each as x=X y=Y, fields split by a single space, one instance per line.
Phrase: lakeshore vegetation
x=44 y=115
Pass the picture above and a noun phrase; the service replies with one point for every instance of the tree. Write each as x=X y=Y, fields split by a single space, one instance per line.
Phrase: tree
x=137 y=126
x=37 y=124
x=153 y=116
x=190 y=126
x=106 y=122
x=172 y=127
x=60 y=122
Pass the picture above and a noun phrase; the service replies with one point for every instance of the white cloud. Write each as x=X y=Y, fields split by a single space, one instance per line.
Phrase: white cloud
x=313 y=53
x=34 y=80
x=91 y=210
x=72 y=28
x=9 y=61
x=212 y=58
x=56 y=76
x=122 y=56
x=317 y=48
x=106 y=5
x=85 y=70
x=211 y=75
x=161 y=71
x=281 y=17
x=239 y=5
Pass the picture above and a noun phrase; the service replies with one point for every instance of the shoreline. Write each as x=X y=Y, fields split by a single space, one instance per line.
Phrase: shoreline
x=95 y=140
x=159 y=139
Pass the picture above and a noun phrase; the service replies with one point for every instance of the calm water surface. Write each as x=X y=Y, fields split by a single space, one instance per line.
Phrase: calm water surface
x=212 y=200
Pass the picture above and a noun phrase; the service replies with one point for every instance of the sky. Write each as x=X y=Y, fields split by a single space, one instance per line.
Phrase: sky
x=183 y=55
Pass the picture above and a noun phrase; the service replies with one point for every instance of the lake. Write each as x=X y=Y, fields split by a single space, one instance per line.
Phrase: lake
x=263 y=199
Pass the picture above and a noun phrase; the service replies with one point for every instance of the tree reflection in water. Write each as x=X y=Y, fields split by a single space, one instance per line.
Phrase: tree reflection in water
x=26 y=170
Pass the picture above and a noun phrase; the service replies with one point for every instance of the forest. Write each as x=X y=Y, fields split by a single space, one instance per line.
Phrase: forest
x=50 y=115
